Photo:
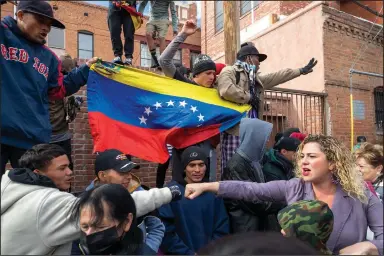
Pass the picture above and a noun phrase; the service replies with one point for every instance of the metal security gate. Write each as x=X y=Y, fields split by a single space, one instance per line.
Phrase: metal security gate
x=286 y=108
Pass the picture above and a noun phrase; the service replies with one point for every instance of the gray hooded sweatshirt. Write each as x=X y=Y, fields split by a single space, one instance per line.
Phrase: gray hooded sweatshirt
x=245 y=166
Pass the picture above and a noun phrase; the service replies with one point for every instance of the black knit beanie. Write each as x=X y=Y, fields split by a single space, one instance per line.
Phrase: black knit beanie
x=191 y=154
x=203 y=63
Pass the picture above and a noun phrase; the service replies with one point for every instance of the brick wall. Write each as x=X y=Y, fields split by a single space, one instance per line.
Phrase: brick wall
x=352 y=8
x=344 y=35
x=71 y=13
x=7 y=9
x=289 y=7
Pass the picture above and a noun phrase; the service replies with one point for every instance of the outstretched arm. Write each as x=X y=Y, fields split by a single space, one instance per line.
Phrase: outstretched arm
x=149 y=200
x=166 y=58
x=274 y=191
x=272 y=79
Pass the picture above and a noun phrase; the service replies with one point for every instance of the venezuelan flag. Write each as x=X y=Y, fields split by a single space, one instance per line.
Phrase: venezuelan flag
x=139 y=112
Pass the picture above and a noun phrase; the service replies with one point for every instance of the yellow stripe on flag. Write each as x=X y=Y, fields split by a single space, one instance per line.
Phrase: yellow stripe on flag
x=164 y=85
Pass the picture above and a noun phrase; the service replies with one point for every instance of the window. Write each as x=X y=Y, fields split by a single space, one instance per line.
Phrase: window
x=219 y=16
x=145 y=56
x=378 y=95
x=56 y=38
x=246 y=6
x=177 y=58
x=193 y=58
x=85 y=45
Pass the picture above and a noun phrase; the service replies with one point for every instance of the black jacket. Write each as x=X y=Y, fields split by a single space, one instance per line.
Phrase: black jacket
x=244 y=216
x=244 y=165
x=277 y=167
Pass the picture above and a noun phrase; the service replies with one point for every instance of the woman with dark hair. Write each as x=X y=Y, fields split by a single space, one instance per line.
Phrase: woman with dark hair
x=107 y=219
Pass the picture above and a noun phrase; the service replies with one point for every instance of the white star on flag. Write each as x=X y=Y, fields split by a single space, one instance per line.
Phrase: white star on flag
x=182 y=103
x=170 y=103
x=193 y=109
x=157 y=105
x=147 y=111
x=143 y=120
x=201 y=117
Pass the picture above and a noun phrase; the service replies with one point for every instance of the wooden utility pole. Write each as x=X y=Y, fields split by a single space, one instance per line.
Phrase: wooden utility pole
x=231 y=31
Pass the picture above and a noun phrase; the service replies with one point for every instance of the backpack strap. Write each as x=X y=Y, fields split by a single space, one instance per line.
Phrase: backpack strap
x=237 y=77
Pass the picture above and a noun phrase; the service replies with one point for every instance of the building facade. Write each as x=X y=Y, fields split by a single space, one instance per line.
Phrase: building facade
x=87 y=35
x=339 y=34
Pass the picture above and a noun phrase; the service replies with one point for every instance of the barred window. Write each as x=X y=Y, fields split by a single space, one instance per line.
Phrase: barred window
x=378 y=95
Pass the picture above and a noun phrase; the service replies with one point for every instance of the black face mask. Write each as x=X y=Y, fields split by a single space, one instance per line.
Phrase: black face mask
x=105 y=242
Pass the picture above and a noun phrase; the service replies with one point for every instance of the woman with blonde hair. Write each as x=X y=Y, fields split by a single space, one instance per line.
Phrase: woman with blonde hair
x=326 y=171
x=370 y=161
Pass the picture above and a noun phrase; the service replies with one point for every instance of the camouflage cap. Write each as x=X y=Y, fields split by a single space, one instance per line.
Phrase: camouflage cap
x=309 y=220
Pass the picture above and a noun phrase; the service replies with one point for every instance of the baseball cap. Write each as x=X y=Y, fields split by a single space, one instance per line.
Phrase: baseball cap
x=42 y=8
x=290 y=144
x=114 y=159
x=309 y=220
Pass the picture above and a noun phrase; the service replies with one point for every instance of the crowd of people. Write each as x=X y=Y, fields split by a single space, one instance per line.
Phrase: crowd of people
x=308 y=194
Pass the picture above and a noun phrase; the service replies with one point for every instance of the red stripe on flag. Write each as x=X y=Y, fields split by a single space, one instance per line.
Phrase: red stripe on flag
x=144 y=143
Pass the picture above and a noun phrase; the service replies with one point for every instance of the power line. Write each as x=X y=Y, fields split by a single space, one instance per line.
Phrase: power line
x=353 y=65
x=367 y=44
x=361 y=46
x=367 y=8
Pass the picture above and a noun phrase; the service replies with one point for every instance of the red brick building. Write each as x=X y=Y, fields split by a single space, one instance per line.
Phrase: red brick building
x=86 y=33
x=292 y=32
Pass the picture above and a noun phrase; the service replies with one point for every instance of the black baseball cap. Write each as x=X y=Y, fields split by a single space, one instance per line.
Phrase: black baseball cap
x=114 y=159
x=290 y=144
x=42 y=8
